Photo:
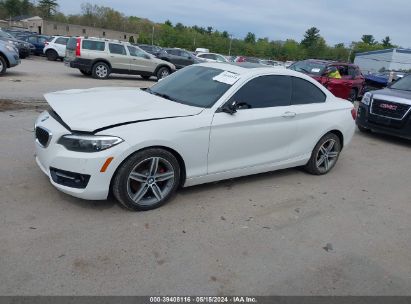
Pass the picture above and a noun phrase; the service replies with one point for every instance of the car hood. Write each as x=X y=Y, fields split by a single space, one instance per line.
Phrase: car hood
x=96 y=109
x=393 y=95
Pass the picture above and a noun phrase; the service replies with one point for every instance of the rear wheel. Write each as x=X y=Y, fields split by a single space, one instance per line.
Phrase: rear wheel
x=353 y=95
x=52 y=55
x=101 y=70
x=3 y=65
x=146 y=180
x=325 y=155
x=163 y=72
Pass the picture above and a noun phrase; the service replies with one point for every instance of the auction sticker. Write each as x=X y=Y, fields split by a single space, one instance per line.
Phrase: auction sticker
x=227 y=77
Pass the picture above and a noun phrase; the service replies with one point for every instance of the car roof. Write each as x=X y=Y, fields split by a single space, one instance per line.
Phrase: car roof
x=329 y=62
x=251 y=69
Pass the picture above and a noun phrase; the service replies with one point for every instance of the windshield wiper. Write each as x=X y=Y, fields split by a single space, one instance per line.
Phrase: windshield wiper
x=148 y=90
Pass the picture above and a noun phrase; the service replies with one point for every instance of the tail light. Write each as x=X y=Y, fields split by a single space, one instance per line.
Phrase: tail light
x=78 y=42
x=354 y=113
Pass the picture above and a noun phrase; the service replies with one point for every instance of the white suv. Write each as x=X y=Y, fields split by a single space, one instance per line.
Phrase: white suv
x=100 y=57
x=56 y=48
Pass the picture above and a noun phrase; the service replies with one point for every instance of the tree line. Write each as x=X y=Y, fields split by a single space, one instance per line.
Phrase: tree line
x=167 y=34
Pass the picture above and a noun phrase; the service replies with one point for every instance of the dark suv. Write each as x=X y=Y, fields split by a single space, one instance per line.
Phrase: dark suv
x=179 y=57
x=388 y=110
x=351 y=84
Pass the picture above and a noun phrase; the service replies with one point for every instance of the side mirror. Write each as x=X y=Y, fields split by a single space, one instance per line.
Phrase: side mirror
x=147 y=57
x=230 y=107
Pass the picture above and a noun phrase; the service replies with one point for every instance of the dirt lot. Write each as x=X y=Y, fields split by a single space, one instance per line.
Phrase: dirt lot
x=282 y=233
x=36 y=76
x=258 y=235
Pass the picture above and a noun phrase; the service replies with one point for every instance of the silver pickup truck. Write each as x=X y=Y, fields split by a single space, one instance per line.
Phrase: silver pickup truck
x=387 y=111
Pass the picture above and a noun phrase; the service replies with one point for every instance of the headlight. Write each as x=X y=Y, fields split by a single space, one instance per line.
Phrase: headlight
x=88 y=143
x=366 y=99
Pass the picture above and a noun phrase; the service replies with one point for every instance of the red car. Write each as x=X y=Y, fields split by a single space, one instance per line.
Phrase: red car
x=351 y=84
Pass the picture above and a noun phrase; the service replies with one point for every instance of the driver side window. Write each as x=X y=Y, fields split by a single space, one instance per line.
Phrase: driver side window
x=135 y=52
x=264 y=92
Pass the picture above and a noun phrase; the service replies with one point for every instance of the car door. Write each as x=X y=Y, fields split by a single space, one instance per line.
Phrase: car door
x=261 y=130
x=60 y=45
x=357 y=79
x=308 y=102
x=140 y=61
x=175 y=58
x=186 y=58
x=340 y=87
x=119 y=58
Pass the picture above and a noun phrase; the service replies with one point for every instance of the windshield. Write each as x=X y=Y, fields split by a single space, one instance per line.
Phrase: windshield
x=6 y=35
x=193 y=85
x=402 y=84
x=309 y=67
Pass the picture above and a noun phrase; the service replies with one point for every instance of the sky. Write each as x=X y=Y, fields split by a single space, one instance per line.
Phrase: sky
x=338 y=20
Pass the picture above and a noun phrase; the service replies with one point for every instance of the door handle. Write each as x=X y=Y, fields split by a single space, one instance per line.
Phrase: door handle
x=289 y=114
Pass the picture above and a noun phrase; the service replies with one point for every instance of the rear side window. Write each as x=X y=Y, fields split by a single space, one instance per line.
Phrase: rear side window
x=264 y=92
x=304 y=92
x=117 y=49
x=93 y=45
x=61 y=40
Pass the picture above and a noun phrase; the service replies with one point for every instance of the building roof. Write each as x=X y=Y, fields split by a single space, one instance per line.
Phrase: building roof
x=398 y=50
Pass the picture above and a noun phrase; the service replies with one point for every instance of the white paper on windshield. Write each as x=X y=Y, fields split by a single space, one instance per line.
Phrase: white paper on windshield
x=227 y=77
x=315 y=70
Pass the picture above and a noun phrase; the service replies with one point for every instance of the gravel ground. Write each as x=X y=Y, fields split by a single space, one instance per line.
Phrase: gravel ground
x=282 y=233
x=36 y=76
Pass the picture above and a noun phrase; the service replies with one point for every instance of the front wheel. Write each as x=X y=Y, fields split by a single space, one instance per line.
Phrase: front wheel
x=147 y=180
x=163 y=72
x=325 y=155
x=3 y=66
x=101 y=70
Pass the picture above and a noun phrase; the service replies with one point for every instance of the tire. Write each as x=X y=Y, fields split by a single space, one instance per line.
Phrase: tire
x=145 y=77
x=3 y=65
x=139 y=177
x=52 y=55
x=100 y=70
x=85 y=73
x=315 y=165
x=163 y=72
x=363 y=129
x=353 y=95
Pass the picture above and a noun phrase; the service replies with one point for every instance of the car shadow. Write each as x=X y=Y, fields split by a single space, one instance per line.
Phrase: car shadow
x=243 y=180
x=116 y=77
x=386 y=138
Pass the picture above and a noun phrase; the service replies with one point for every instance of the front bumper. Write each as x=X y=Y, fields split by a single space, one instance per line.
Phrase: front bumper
x=383 y=125
x=56 y=157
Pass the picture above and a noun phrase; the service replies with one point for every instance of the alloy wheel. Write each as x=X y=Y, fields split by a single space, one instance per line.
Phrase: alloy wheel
x=101 y=71
x=327 y=155
x=150 y=181
x=164 y=73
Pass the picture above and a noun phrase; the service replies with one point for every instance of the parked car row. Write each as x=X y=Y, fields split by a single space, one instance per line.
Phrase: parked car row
x=24 y=48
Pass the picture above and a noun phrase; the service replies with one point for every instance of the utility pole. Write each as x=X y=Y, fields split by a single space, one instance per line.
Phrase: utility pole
x=152 y=36
x=231 y=41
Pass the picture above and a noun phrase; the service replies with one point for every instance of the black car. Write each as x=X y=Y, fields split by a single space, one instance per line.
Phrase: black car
x=151 y=49
x=387 y=111
x=22 y=46
x=179 y=57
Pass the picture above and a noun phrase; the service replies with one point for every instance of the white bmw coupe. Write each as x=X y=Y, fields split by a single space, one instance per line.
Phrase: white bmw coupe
x=204 y=123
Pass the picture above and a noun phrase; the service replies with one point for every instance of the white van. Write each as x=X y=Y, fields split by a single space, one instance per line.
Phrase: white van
x=202 y=50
